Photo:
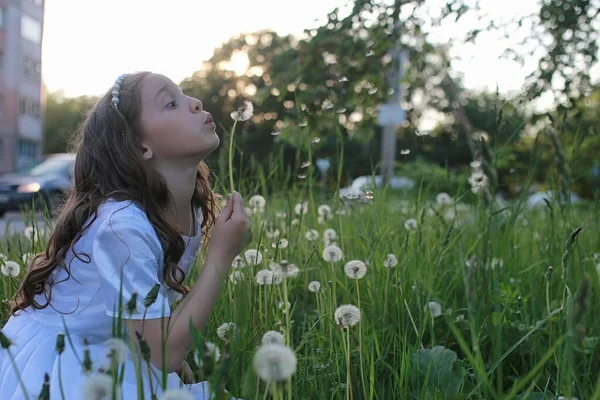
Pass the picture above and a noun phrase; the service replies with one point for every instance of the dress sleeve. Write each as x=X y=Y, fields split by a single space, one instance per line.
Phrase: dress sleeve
x=126 y=246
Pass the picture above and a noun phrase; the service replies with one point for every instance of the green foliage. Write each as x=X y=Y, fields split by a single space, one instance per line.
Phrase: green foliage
x=439 y=368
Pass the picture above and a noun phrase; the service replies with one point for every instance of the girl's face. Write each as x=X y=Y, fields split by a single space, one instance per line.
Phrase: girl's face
x=174 y=126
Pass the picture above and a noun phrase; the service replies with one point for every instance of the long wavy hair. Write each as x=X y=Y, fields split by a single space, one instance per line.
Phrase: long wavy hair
x=109 y=164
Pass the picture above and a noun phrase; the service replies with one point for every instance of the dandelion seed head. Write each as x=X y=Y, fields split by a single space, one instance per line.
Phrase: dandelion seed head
x=347 y=315
x=390 y=261
x=227 y=331
x=324 y=211
x=274 y=362
x=443 y=199
x=257 y=202
x=301 y=208
x=295 y=222
x=98 y=386
x=117 y=349
x=264 y=277
x=435 y=309
x=253 y=256
x=355 y=269
x=272 y=337
x=479 y=181
x=329 y=234
x=243 y=113
x=238 y=262
x=410 y=224
x=235 y=277
x=281 y=243
x=11 y=269
x=314 y=286
x=332 y=254
x=311 y=235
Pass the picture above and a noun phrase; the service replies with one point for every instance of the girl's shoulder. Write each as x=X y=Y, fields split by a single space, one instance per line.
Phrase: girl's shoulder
x=123 y=212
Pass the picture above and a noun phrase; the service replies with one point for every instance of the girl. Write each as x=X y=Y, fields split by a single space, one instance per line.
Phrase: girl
x=134 y=218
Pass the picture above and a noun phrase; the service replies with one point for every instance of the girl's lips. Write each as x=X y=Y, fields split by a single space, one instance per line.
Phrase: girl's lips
x=208 y=120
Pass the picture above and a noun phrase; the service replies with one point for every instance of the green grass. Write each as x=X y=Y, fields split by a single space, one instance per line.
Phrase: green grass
x=507 y=330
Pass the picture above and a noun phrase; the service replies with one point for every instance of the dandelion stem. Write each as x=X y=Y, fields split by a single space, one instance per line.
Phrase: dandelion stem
x=231 y=155
x=21 y=383
x=348 y=379
x=60 y=383
x=362 y=377
x=385 y=296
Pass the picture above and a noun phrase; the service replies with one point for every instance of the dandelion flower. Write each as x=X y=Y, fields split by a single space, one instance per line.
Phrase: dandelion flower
x=227 y=331
x=284 y=269
x=325 y=211
x=10 y=268
x=281 y=243
x=410 y=224
x=391 y=261
x=443 y=199
x=311 y=235
x=479 y=181
x=435 y=309
x=257 y=202
x=329 y=234
x=243 y=113
x=332 y=253
x=314 y=286
x=235 y=277
x=275 y=362
x=301 y=208
x=238 y=262
x=117 y=349
x=272 y=337
x=347 y=315
x=284 y=306
x=355 y=269
x=176 y=394
x=211 y=350
x=99 y=386
x=253 y=256
x=30 y=232
x=264 y=277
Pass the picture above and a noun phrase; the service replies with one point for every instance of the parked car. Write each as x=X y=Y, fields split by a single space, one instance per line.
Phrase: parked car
x=46 y=182
x=362 y=184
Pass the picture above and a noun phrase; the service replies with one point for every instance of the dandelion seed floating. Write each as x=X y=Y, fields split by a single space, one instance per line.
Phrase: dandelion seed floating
x=405 y=151
x=275 y=133
x=341 y=110
x=327 y=105
x=303 y=124
x=316 y=140
x=343 y=79
x=305 y=164
x=372 y=91
x=301 y=176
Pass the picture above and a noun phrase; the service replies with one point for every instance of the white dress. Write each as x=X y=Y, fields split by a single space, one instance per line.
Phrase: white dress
x=121 y=235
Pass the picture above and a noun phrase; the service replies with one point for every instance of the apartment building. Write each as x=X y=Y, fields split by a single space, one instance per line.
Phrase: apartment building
x=21 y=87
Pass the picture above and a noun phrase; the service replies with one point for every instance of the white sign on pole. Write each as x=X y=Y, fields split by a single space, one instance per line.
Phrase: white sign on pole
x=390 y=115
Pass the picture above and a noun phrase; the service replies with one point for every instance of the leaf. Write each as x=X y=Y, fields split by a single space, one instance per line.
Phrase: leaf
x=440 y=369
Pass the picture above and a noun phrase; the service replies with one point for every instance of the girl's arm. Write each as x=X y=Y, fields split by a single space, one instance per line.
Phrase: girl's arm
x=196 y=305
x=231 y=233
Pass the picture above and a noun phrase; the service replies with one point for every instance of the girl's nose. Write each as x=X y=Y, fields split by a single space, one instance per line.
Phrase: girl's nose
x=196 y=105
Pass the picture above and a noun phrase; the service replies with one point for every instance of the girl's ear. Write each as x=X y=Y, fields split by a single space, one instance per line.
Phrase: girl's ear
x=147 y=152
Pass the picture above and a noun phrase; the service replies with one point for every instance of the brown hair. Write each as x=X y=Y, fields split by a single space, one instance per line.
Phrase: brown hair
x=109 y=163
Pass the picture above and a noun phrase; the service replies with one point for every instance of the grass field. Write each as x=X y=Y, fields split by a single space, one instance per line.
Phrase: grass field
x=487 y=302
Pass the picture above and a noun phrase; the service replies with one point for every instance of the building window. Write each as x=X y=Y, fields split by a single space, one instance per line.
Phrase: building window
x=28 y=107
x=2 y=12
x=26 y=148
x=32 y=69
x=31 y=29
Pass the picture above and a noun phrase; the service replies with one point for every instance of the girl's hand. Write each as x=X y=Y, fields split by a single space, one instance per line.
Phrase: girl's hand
x=231 y=234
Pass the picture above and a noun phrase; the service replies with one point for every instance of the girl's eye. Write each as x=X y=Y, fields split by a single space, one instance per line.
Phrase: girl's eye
x=172 y=104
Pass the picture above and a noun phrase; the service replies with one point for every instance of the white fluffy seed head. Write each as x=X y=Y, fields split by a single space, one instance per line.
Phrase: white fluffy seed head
x=311 y=235
x=443 y=199
x=314 y=286
x=253 y=256
x=355 y=269
x=435 y=309
x=329 y=234
x=347 y=315
x=332 y=253
x=257 y=202
x=10 y=268
x=99 y=386
x=117 y=349
x=264 y=277
x=410 y=224
x=391 y=261
x=272 y=337
x=227 y=331
x=177 y=394
x=275 y=362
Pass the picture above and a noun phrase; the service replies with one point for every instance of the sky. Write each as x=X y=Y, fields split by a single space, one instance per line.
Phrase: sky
x=89 y=43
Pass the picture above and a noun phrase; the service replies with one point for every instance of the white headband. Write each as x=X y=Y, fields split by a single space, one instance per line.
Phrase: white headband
x=115 y=91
